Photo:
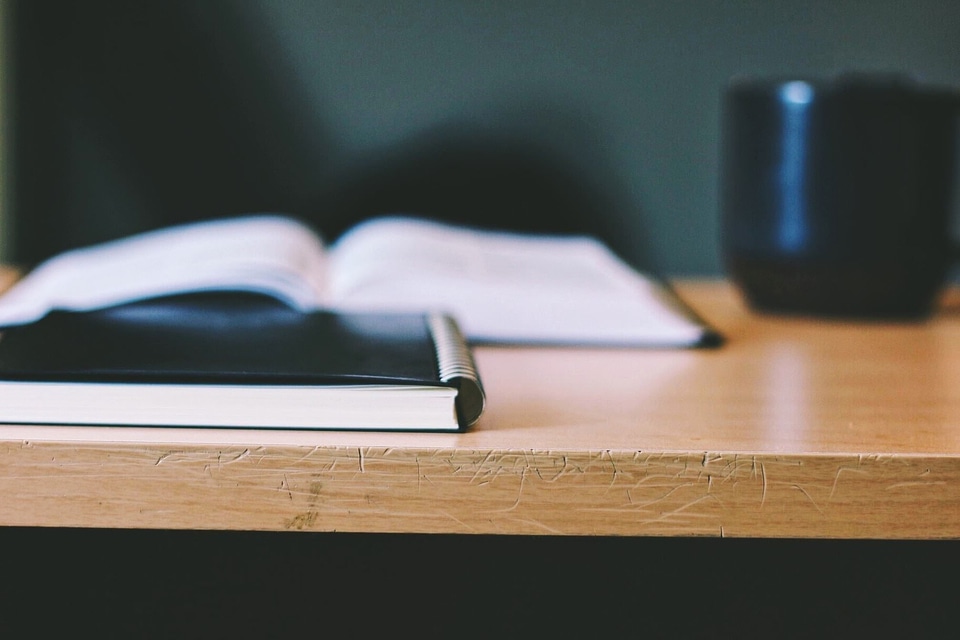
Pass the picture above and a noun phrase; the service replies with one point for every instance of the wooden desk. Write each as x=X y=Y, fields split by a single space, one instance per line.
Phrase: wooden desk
x=794 y=428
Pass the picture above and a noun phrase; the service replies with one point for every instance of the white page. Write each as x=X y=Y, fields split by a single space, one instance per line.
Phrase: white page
x=505 y=287
x=265 y=253
x=501 y=287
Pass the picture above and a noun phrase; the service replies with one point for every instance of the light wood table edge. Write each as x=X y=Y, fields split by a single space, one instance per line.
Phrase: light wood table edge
x=330 y=485
x=410 y=490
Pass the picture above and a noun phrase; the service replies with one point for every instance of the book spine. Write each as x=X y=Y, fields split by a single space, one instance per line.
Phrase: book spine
x=456 y=366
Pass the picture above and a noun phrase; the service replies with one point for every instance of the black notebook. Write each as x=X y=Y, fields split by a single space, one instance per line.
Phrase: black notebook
x=235 y=360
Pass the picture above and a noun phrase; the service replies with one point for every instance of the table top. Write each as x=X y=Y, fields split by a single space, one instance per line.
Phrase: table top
x=793 y=428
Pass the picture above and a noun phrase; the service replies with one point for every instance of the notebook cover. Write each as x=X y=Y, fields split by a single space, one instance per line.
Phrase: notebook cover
x=224 y=339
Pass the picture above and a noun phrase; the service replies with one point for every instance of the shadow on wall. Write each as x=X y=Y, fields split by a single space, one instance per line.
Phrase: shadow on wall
x=492 y=177
x=131 y=116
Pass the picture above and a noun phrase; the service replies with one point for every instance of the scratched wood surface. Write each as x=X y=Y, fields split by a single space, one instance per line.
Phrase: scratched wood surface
x=794 y=428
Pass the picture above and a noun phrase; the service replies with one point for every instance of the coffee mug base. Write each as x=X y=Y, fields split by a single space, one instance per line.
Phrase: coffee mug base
x=877 y=292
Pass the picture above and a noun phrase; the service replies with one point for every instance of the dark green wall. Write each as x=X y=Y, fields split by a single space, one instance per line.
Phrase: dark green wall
x=599 y=116
x=638 y=81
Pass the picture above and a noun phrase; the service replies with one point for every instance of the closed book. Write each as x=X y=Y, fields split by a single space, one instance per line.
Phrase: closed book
x=239 y=360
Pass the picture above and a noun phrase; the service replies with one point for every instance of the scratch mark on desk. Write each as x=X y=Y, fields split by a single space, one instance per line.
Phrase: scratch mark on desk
x=809 y=497
x=915 y=483
x=763 y=485
x=562 y=471
x=648 y=503
x=360 y=459
x=836 y=477
x=666 y=515
x=301 y=521
x=526 y=462
x=481 y=467
x=457 y=520
x=613 y=463
x=709 y=458
x=285 y=486
x=666 y=480
x=516 y=503
x=307 y=455
x=517 y=499
x=419 y=474
x=540 y=525
x=240 y=456
x=162 y=458
x=733 y=468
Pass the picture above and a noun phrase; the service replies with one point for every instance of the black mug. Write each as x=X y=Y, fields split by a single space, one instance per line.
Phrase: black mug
x=836 y=194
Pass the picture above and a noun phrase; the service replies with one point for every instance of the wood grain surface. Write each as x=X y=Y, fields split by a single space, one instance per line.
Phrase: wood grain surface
x=793 y=428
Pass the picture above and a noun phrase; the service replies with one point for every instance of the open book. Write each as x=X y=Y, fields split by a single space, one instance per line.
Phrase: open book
x=504 y=288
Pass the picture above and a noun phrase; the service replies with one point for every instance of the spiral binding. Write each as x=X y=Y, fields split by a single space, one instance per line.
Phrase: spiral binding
x=456 y=366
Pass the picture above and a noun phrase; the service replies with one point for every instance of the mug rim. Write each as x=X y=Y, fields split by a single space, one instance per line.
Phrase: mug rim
x=893 y=81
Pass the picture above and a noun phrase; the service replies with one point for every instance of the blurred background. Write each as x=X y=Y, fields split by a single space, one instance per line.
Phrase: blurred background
x=599 y=117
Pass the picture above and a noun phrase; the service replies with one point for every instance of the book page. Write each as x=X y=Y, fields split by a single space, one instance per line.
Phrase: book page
x=269 y=254
x=505 y=287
